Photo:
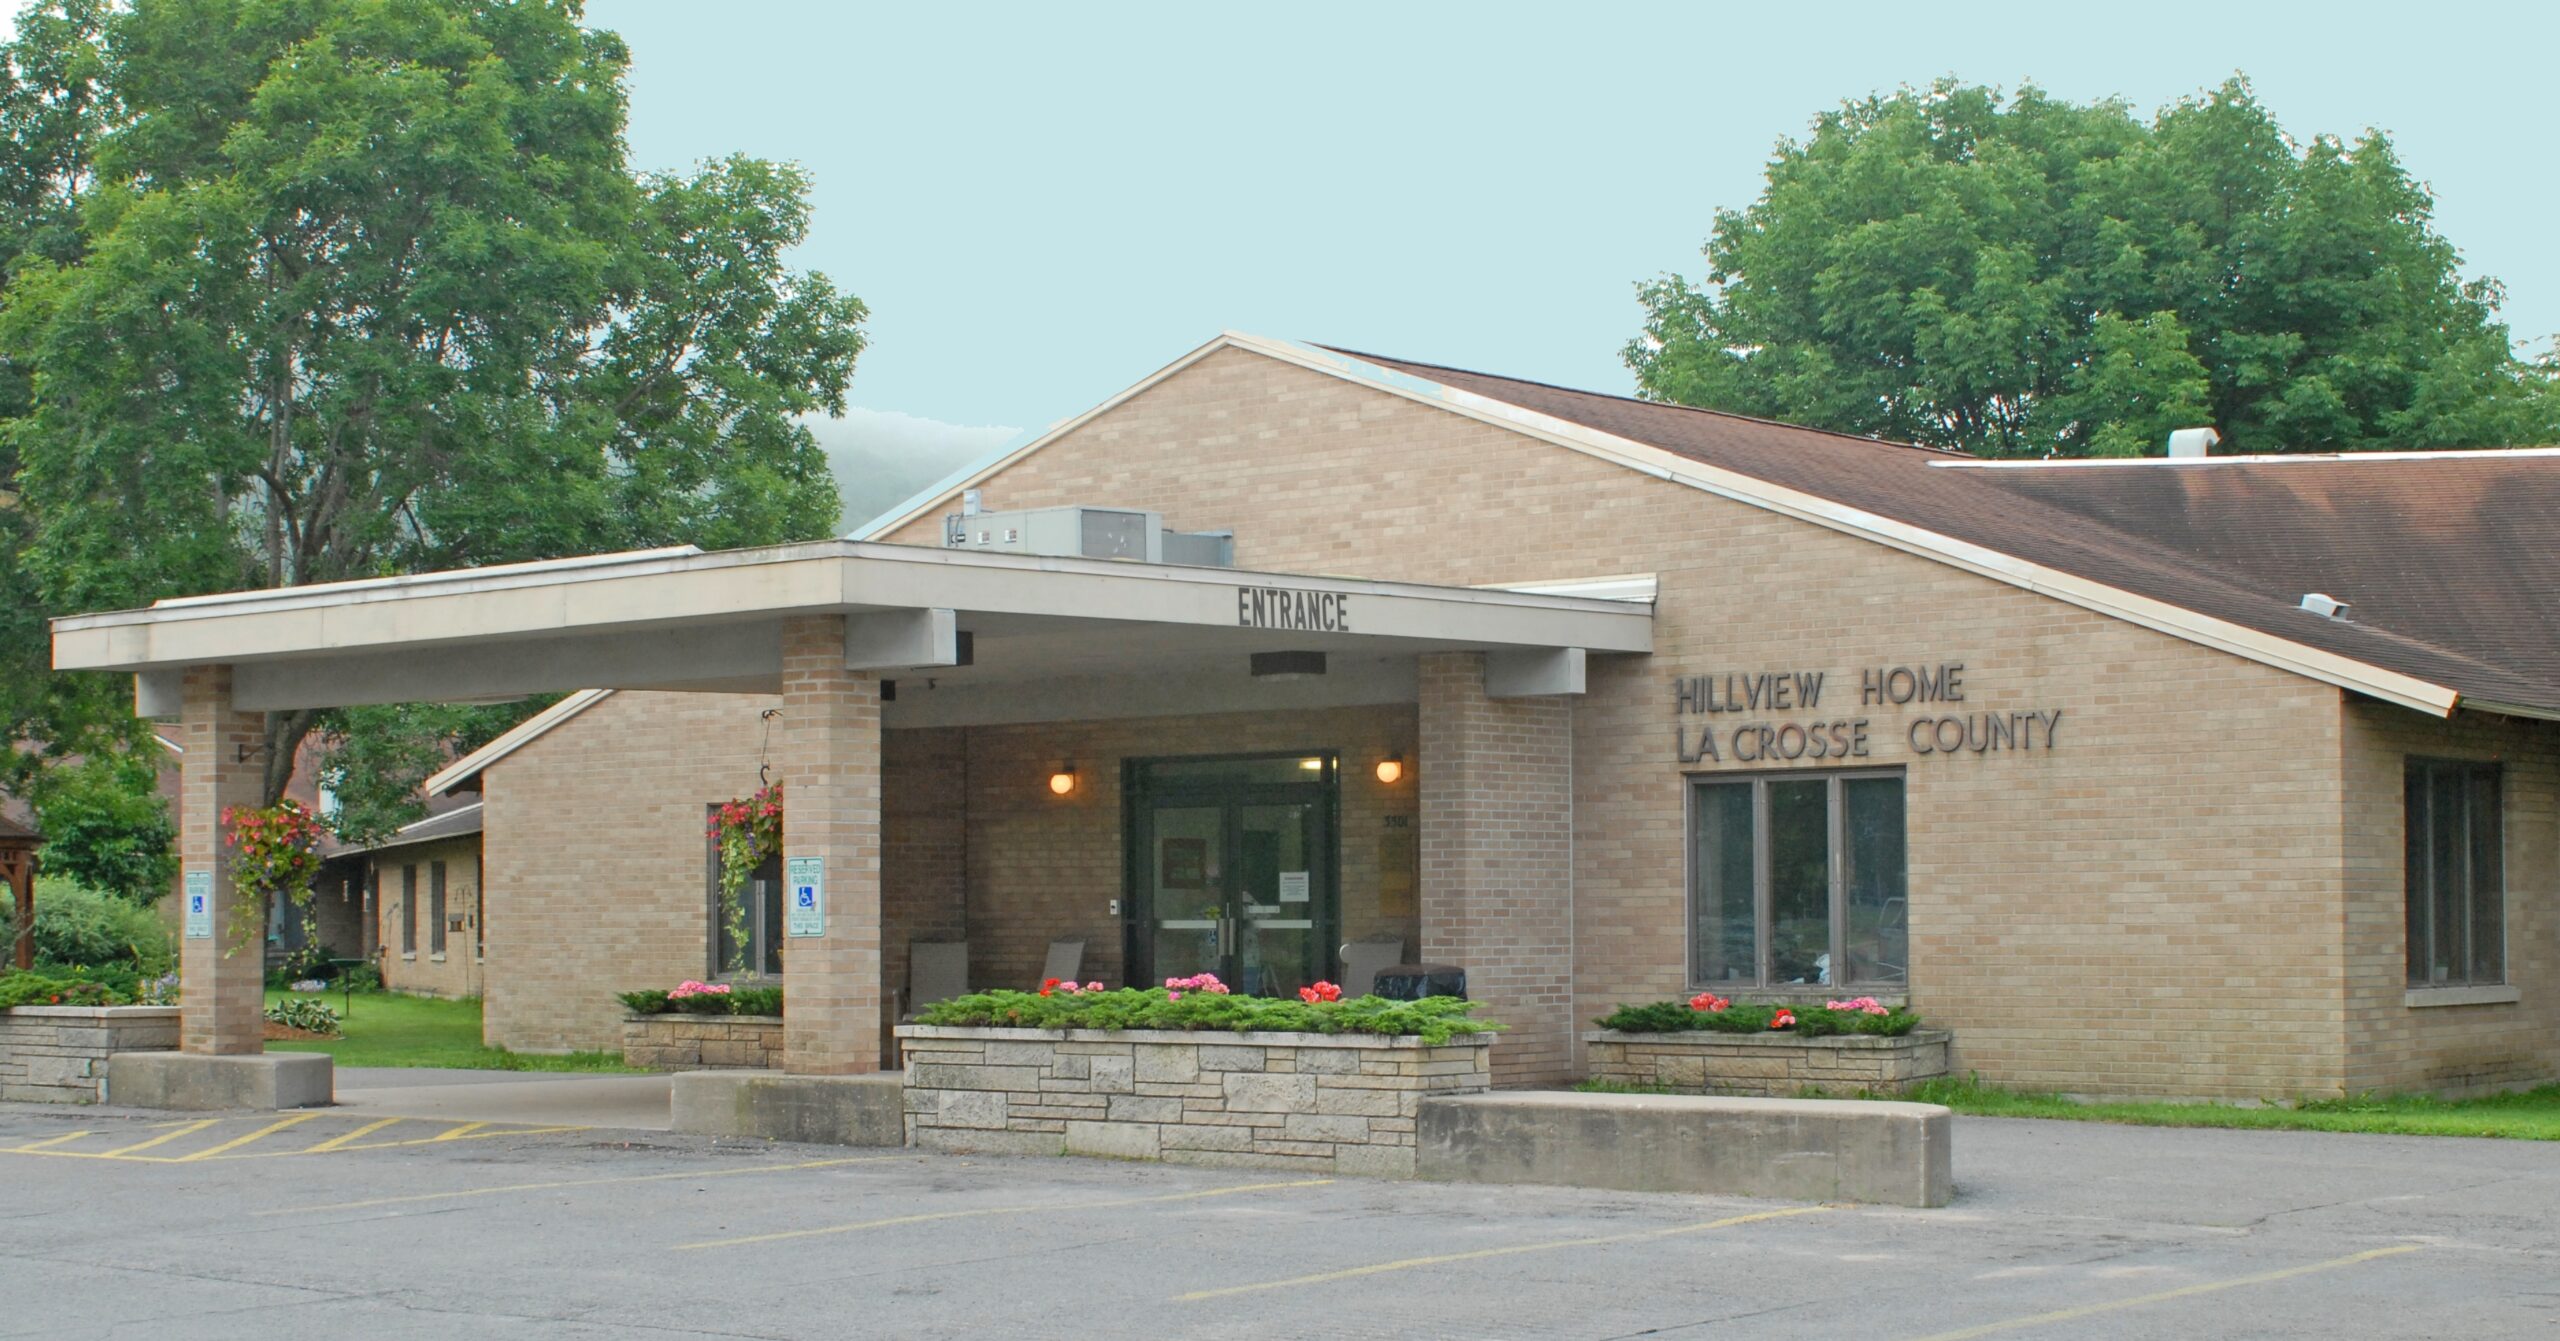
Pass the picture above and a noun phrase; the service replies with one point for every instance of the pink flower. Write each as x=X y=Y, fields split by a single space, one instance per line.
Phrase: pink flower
x=1093 y=987
x=1171 y=995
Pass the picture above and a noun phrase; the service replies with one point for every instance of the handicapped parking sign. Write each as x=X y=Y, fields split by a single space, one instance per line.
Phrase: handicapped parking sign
x=199 y=905
x=806 y=912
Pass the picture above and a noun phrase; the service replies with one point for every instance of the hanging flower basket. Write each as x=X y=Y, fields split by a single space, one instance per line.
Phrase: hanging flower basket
x=747 y=831
x=275 y=851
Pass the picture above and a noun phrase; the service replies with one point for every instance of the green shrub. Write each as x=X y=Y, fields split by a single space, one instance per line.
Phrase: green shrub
x=1754 y=1017
x=756 y=1001
x=1433 y=1019
x=83 y=926
x=361 y=978
x=651 y=1002
x=21 y=988
x=307 y=1013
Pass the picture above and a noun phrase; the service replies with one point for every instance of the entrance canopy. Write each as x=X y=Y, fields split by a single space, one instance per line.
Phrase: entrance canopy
x=970 y=636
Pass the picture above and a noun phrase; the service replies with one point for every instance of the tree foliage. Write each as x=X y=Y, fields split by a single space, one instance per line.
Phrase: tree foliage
x=308 y=290
x=2020 y=276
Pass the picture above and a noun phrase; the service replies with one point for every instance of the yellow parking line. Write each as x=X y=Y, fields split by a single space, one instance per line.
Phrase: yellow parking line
x=34 y=1146
x=335 y=1142
x=459 y=1132
x=419 y=1140
x=182 y=1129
x=238 y=1141
x=1410 y=1263
x=1047 y=1208
x=2164 y=1296
x=574 y=1182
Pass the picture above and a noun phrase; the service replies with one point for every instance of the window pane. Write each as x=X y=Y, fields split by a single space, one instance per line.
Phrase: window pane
x=2451 y=853
x=2488 y=901
x=1800 y=882
x=1878 y=936
x=2417 y=868
x=1720 y=899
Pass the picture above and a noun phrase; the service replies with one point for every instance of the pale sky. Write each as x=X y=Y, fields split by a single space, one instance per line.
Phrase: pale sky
x=1043 y=203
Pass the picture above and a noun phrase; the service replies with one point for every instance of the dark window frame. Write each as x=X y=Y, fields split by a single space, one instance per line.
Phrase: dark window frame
x=2463 y=799
x=1839 y=875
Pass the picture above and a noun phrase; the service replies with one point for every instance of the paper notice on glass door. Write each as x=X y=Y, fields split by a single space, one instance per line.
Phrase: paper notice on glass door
x=1293 y=887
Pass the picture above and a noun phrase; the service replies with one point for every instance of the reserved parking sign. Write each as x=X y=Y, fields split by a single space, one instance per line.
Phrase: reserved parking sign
x=805 y=908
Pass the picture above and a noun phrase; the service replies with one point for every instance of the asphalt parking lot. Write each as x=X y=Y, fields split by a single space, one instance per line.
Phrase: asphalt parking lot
x=329 y=1223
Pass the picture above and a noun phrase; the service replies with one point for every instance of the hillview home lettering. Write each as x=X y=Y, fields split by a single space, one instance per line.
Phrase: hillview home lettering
x=1800 y=691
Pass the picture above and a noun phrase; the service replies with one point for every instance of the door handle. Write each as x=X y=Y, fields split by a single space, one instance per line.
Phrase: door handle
x=1226 y=936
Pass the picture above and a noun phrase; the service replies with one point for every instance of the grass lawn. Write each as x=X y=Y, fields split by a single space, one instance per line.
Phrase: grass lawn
x=390 y=1029
x=2531 y=1116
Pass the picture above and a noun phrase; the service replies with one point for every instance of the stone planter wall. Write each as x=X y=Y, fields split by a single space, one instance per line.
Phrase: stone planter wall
x=58 y=1054
x=1772 y=1065
x=1332 y=1103
x=702 y=1042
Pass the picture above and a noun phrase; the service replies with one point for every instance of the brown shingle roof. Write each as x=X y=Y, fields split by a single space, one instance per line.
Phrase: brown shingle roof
x=2451 y=562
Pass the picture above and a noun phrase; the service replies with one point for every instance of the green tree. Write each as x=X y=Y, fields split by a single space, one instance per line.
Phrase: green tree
x=2022 y=276
x=364 y=287
x=106 y=827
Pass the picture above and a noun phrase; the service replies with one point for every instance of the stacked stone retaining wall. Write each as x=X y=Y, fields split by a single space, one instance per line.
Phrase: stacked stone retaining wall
x=1772 y=1065
x=1335 y=1103
x=58 y=1054
x=702 y=1042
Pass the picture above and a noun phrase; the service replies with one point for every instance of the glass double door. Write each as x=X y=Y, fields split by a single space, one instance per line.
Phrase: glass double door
x=1233 y=870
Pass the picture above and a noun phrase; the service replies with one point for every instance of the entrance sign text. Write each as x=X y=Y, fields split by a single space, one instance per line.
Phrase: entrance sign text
x=1767 y=693
x=1281 y=608
x=805 y=911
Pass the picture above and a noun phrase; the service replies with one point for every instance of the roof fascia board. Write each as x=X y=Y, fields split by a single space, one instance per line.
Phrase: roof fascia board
x=2260 y=459
x=2509 y=709
x=2159 y=616
x=515 y=738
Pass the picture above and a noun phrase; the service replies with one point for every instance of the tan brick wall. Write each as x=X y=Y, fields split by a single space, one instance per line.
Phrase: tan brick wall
x=222 y=976
x=829 y=757
x=1496 y=777
x=2170 y=874
x=457 y=971
x=598 y=867
x=2396 y=1046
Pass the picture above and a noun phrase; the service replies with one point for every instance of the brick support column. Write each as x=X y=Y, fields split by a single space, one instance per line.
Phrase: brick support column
x=829 y=751
x=1496 y=783
x=222 y=977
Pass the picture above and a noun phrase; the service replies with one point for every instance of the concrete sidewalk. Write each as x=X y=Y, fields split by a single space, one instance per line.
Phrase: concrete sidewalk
x=536 y=1097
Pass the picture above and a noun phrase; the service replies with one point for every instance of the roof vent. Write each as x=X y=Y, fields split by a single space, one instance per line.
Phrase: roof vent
x=2186 y=442
x=2327 y=607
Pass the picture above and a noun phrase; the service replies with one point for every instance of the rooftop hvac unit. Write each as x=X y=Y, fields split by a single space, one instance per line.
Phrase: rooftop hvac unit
x=1088 y=532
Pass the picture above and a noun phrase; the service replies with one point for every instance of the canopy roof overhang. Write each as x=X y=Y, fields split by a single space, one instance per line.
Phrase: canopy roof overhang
x=1042 y=634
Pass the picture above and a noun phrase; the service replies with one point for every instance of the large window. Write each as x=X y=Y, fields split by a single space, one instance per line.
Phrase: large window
x=2457 y=879
x=1798 y=879
x=409 y=910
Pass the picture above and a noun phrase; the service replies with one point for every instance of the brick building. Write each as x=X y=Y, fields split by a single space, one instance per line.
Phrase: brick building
x=2223 y=776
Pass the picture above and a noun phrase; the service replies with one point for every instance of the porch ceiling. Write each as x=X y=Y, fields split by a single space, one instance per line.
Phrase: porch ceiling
x=683 y=619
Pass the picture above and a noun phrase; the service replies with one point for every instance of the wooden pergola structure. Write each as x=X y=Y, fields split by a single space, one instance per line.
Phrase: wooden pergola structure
x=18 y=844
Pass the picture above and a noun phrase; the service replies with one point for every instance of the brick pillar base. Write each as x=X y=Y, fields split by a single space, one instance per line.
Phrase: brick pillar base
x=832 y=1020
x=222 y=977
x=1496 y=783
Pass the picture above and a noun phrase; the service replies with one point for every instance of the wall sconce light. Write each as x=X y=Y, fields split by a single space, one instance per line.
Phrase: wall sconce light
x=1391 y=769
x=1063 y=780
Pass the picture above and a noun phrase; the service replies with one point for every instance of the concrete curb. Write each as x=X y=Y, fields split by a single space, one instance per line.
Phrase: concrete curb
x=1894 y=1154
x=199 y=1082
x=819 y=1110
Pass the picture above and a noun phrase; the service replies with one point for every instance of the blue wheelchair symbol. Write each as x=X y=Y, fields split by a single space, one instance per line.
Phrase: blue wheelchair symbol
x=808 y=896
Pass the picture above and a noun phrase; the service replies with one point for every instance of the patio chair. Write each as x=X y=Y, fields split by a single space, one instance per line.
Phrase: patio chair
x=1066 y=961
x=1361 y=961
x=936 y=971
